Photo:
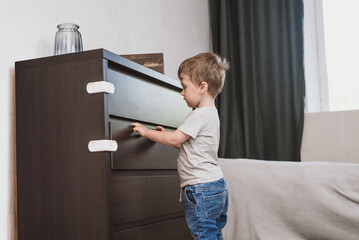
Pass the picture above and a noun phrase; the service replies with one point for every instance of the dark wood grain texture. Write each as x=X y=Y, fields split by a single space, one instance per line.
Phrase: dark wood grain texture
x=143 y=197
x=141 y=99
x=173 y=229
x=135 y=152
x=55 y=120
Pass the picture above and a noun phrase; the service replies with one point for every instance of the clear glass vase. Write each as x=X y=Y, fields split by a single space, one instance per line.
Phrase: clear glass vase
x=67 y=39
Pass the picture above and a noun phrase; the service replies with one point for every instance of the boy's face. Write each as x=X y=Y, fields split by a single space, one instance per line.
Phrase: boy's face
x=191 y=92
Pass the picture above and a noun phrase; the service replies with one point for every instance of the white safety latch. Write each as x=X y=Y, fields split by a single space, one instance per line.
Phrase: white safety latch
x=100 y=87
x=102 y=145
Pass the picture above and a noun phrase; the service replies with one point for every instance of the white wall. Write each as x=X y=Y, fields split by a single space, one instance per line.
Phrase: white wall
x=177 y=28
x=331 y=136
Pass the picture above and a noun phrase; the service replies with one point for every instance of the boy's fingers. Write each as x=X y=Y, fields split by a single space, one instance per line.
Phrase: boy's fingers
x=135 y=124
x=160 y=128
x=135 y=127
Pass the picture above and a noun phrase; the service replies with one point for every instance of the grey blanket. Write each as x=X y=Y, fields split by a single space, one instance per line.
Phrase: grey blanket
x=291 y=200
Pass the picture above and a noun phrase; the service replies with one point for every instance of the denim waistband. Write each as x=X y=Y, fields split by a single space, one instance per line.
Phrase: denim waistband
x=218 y=184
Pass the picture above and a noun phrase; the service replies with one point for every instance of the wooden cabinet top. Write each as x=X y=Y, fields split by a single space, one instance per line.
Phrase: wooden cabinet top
x=113 y=59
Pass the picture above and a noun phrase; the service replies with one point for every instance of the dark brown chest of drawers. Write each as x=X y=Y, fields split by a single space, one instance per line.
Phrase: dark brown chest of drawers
x=72 y=187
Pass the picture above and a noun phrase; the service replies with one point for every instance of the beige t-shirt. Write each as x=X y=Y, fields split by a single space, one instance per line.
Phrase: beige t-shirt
x=197 y=161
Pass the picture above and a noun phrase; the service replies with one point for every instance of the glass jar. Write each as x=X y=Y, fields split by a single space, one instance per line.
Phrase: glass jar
x=67 y=39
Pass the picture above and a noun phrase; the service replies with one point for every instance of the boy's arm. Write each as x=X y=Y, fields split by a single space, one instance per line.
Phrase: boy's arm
x=173 y=139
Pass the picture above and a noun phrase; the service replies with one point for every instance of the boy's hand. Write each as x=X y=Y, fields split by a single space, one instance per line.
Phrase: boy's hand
x=159 y=128
x=139 y=128
x=161 y=136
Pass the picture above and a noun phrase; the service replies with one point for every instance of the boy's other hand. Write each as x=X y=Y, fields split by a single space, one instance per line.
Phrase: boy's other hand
x=159 y=128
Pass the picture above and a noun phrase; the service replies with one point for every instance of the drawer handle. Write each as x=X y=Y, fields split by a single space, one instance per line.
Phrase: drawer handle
x=100 y=87
x=102 y=145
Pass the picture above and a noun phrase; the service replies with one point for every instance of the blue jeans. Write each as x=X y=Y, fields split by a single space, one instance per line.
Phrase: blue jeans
x=205 y=207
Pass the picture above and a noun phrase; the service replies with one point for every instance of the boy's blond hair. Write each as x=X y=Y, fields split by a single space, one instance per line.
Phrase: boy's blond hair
x=205 y=67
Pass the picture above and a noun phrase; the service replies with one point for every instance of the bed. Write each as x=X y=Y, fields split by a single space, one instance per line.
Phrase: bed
x=291 y=200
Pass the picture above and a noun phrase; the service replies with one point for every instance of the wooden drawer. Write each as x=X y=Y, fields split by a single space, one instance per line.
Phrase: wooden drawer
x=174 y=229
x=137 y=198
x=135 y=152
x=144 y=99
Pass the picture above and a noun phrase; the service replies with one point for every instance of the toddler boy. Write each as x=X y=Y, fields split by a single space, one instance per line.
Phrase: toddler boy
x=203 y=190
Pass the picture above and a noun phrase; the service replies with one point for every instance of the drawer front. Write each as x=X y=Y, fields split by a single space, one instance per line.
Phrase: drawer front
x=138 y=198
x=143 y=99
x=135 y=152
x=174 y=229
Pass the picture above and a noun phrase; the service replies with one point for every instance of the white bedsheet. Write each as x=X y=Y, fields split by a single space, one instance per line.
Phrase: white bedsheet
x=291 y=200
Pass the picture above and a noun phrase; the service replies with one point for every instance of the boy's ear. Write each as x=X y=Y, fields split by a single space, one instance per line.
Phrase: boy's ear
x=203 y=87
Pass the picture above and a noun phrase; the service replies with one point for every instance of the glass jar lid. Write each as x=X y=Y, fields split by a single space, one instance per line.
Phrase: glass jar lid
x=67 y=25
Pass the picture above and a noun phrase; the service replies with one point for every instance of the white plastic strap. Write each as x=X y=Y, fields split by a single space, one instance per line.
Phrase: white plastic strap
x=100 y=87
x=102 y=145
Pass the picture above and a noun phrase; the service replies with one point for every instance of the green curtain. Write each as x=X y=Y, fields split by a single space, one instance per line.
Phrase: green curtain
x=261 y=107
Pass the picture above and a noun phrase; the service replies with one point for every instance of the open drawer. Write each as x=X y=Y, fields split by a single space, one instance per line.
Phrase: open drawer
x=135 y=152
